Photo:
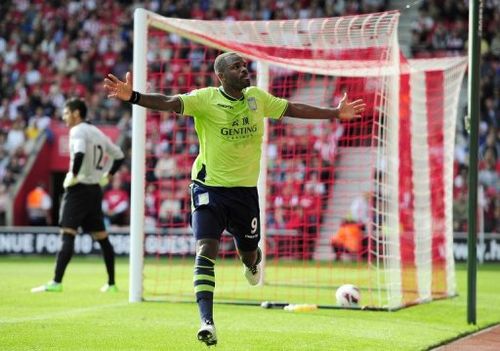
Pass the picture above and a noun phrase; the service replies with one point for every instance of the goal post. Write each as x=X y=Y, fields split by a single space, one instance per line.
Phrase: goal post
x=393 y=165
x=138 y=159
x=263 y=83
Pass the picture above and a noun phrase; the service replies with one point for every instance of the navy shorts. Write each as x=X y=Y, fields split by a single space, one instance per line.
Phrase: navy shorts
x=82 y=207
x=215 y=209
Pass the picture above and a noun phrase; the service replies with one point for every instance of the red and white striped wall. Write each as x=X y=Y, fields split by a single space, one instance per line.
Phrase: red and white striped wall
x=429 y=91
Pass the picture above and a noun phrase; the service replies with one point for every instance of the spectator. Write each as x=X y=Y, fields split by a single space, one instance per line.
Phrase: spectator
x=495 y=45
x=348 y=240
x=490 y=143
x=488 y=176
x=39 y=205
x=491 y=112
x=4 y=203
x=115 y=204
x=150 y=206
x=310 y=203
x=4 y=159
x=40 y=120
x=9 y=178
x=314 y=185
x=460 y=212
x=360 y=210
x=166 y=167
x=15 y=136
x=169 y=204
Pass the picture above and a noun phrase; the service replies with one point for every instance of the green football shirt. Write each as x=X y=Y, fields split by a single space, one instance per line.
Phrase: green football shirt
x=230 y=133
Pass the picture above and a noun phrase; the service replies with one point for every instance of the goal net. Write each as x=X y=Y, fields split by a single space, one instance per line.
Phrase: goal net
x=364 y=202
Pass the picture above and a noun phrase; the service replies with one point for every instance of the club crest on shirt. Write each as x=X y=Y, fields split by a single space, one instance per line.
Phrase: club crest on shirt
x=252 y=103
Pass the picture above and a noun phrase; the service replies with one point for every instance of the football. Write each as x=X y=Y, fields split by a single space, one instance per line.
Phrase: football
x=348 y=295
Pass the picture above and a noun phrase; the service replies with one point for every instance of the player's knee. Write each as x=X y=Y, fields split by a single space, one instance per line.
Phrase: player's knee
x=68 y=241
x=207 y=248
x=67 y=231
x=99 y=235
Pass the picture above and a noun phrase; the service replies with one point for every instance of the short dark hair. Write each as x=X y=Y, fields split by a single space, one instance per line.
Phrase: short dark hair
x=220 y=64
x=77 y=104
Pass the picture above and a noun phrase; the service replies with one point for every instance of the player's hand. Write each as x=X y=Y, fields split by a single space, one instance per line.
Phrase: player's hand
x=104 y=180
x=349 y=110
x=119 y=89
x=70 y=180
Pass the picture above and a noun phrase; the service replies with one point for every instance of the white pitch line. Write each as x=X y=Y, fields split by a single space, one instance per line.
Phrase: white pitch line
x=65 y=313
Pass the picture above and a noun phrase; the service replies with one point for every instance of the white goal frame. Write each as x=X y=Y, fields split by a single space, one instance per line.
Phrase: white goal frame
x=390 y=70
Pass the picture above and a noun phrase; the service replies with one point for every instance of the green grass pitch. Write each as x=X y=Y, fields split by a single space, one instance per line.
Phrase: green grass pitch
x=82 y=318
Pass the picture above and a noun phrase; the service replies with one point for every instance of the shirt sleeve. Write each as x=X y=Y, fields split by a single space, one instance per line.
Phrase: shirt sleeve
x=77 y=140
x=274 y=107
x=191 y=101
x=113 y=150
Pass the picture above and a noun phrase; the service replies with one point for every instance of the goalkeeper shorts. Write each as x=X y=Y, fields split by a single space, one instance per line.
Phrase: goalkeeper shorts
x=82 y=207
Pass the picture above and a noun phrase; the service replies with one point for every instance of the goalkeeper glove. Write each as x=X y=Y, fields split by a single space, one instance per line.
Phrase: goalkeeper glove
x=104 y=180
x=70 y=180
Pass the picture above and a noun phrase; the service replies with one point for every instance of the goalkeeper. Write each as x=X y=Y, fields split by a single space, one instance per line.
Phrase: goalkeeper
x=229 y=122
x=82 y=201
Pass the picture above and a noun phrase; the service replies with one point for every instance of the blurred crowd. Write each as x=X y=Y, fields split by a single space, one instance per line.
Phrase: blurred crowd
x=51 y=50
x=442 y=30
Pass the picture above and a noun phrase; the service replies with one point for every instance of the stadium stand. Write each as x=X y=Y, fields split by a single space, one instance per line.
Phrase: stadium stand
x=441 y=29
x=51 y=50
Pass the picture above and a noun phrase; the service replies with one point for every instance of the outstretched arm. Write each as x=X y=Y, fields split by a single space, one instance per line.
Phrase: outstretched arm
x=123 y=91
x=344 y=111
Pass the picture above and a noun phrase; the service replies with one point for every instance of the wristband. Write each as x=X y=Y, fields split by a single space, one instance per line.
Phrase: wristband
x=336 y=113
x=134 y=98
